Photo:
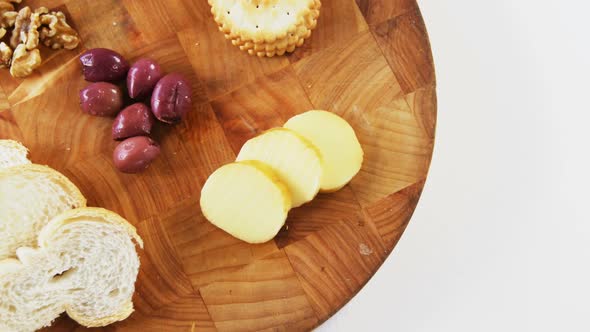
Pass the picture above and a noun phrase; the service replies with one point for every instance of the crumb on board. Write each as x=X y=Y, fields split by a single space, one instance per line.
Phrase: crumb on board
x=365 y=250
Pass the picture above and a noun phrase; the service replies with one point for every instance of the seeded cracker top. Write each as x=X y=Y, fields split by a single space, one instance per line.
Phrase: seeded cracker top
x=261 y=20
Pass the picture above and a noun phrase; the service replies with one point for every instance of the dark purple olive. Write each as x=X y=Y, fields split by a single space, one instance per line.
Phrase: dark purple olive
x=171 y=98
x=134 y=120
x=142 y=77
x=103 y=65
x=135 y=154
x=101 y=99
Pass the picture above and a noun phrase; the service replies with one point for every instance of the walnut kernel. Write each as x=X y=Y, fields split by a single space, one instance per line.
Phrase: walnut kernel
x=5 y=55
x=25 y=29
x=7 y=14
x=57 y=33
x=28 y=29
x=5 y=5
x=24 y=61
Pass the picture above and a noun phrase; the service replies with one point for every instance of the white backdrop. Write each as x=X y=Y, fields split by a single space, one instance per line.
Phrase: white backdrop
x=501 y=237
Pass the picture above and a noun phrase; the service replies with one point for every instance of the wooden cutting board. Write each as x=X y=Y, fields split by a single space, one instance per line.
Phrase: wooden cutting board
x=368 y=61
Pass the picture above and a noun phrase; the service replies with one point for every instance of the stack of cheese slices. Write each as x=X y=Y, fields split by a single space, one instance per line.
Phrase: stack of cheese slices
x=281 y=169
x=56 y=254
x=266 y=27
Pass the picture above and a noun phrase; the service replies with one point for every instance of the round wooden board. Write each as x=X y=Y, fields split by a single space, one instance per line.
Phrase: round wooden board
x=368 y=61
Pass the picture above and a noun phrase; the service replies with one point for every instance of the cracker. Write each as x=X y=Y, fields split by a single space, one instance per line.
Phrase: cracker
x=287 y=44
x=272 y=53
x=297 y=32
x=292 y=39
x=278 y=48
x=265 y=21
x=261 y=20
x=309 y=22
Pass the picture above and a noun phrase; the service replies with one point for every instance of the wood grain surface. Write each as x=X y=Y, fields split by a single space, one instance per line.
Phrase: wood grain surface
x=368 y=61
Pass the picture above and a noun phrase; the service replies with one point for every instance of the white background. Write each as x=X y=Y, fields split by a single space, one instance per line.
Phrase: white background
x=500 y=240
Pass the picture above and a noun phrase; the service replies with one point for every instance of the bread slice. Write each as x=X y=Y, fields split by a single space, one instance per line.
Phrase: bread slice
x=12 y=153
x=85 y=265
x=30 y=195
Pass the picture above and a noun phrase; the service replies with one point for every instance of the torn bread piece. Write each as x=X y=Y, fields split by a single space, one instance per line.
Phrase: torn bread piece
x=30 y=196
x=12 y=153
x=85 y=265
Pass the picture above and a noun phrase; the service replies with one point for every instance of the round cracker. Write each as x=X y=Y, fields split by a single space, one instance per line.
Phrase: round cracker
x=262 y=21
x=270 y=42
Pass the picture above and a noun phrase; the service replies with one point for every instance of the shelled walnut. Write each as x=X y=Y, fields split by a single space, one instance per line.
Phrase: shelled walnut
x=7 y=14
x=5 y=55
x=56 y=33
x=7 y=18
x=26 y=29
x=24 y=61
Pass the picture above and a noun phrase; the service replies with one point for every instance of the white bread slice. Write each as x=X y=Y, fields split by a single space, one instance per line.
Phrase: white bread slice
x=30 y=195
x=12 y=153
x=85 y=265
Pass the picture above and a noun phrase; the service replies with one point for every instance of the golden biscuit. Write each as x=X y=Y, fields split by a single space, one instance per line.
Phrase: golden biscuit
x=266 y=27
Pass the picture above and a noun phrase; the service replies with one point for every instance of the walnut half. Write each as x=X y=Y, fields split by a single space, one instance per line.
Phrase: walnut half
x=57 y=33
x=7 y=14
x=25 y=29
x=31 y=27
x=5 y=55
x=24 y=61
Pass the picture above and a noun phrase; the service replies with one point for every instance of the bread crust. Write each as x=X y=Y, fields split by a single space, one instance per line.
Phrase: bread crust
x=95 y=214
x=51 y=173
x=125 y=312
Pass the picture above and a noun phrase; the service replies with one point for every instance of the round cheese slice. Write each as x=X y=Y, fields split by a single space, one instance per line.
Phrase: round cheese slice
x=296 y=161
x=247 y=200
x=339 y=147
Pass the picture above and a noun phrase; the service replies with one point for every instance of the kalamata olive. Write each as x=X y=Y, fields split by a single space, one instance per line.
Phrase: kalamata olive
x=102 y=99
x=135 y=154
x=171 y=98
x=134 y=120
x=103 y=65
x=142 y=77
